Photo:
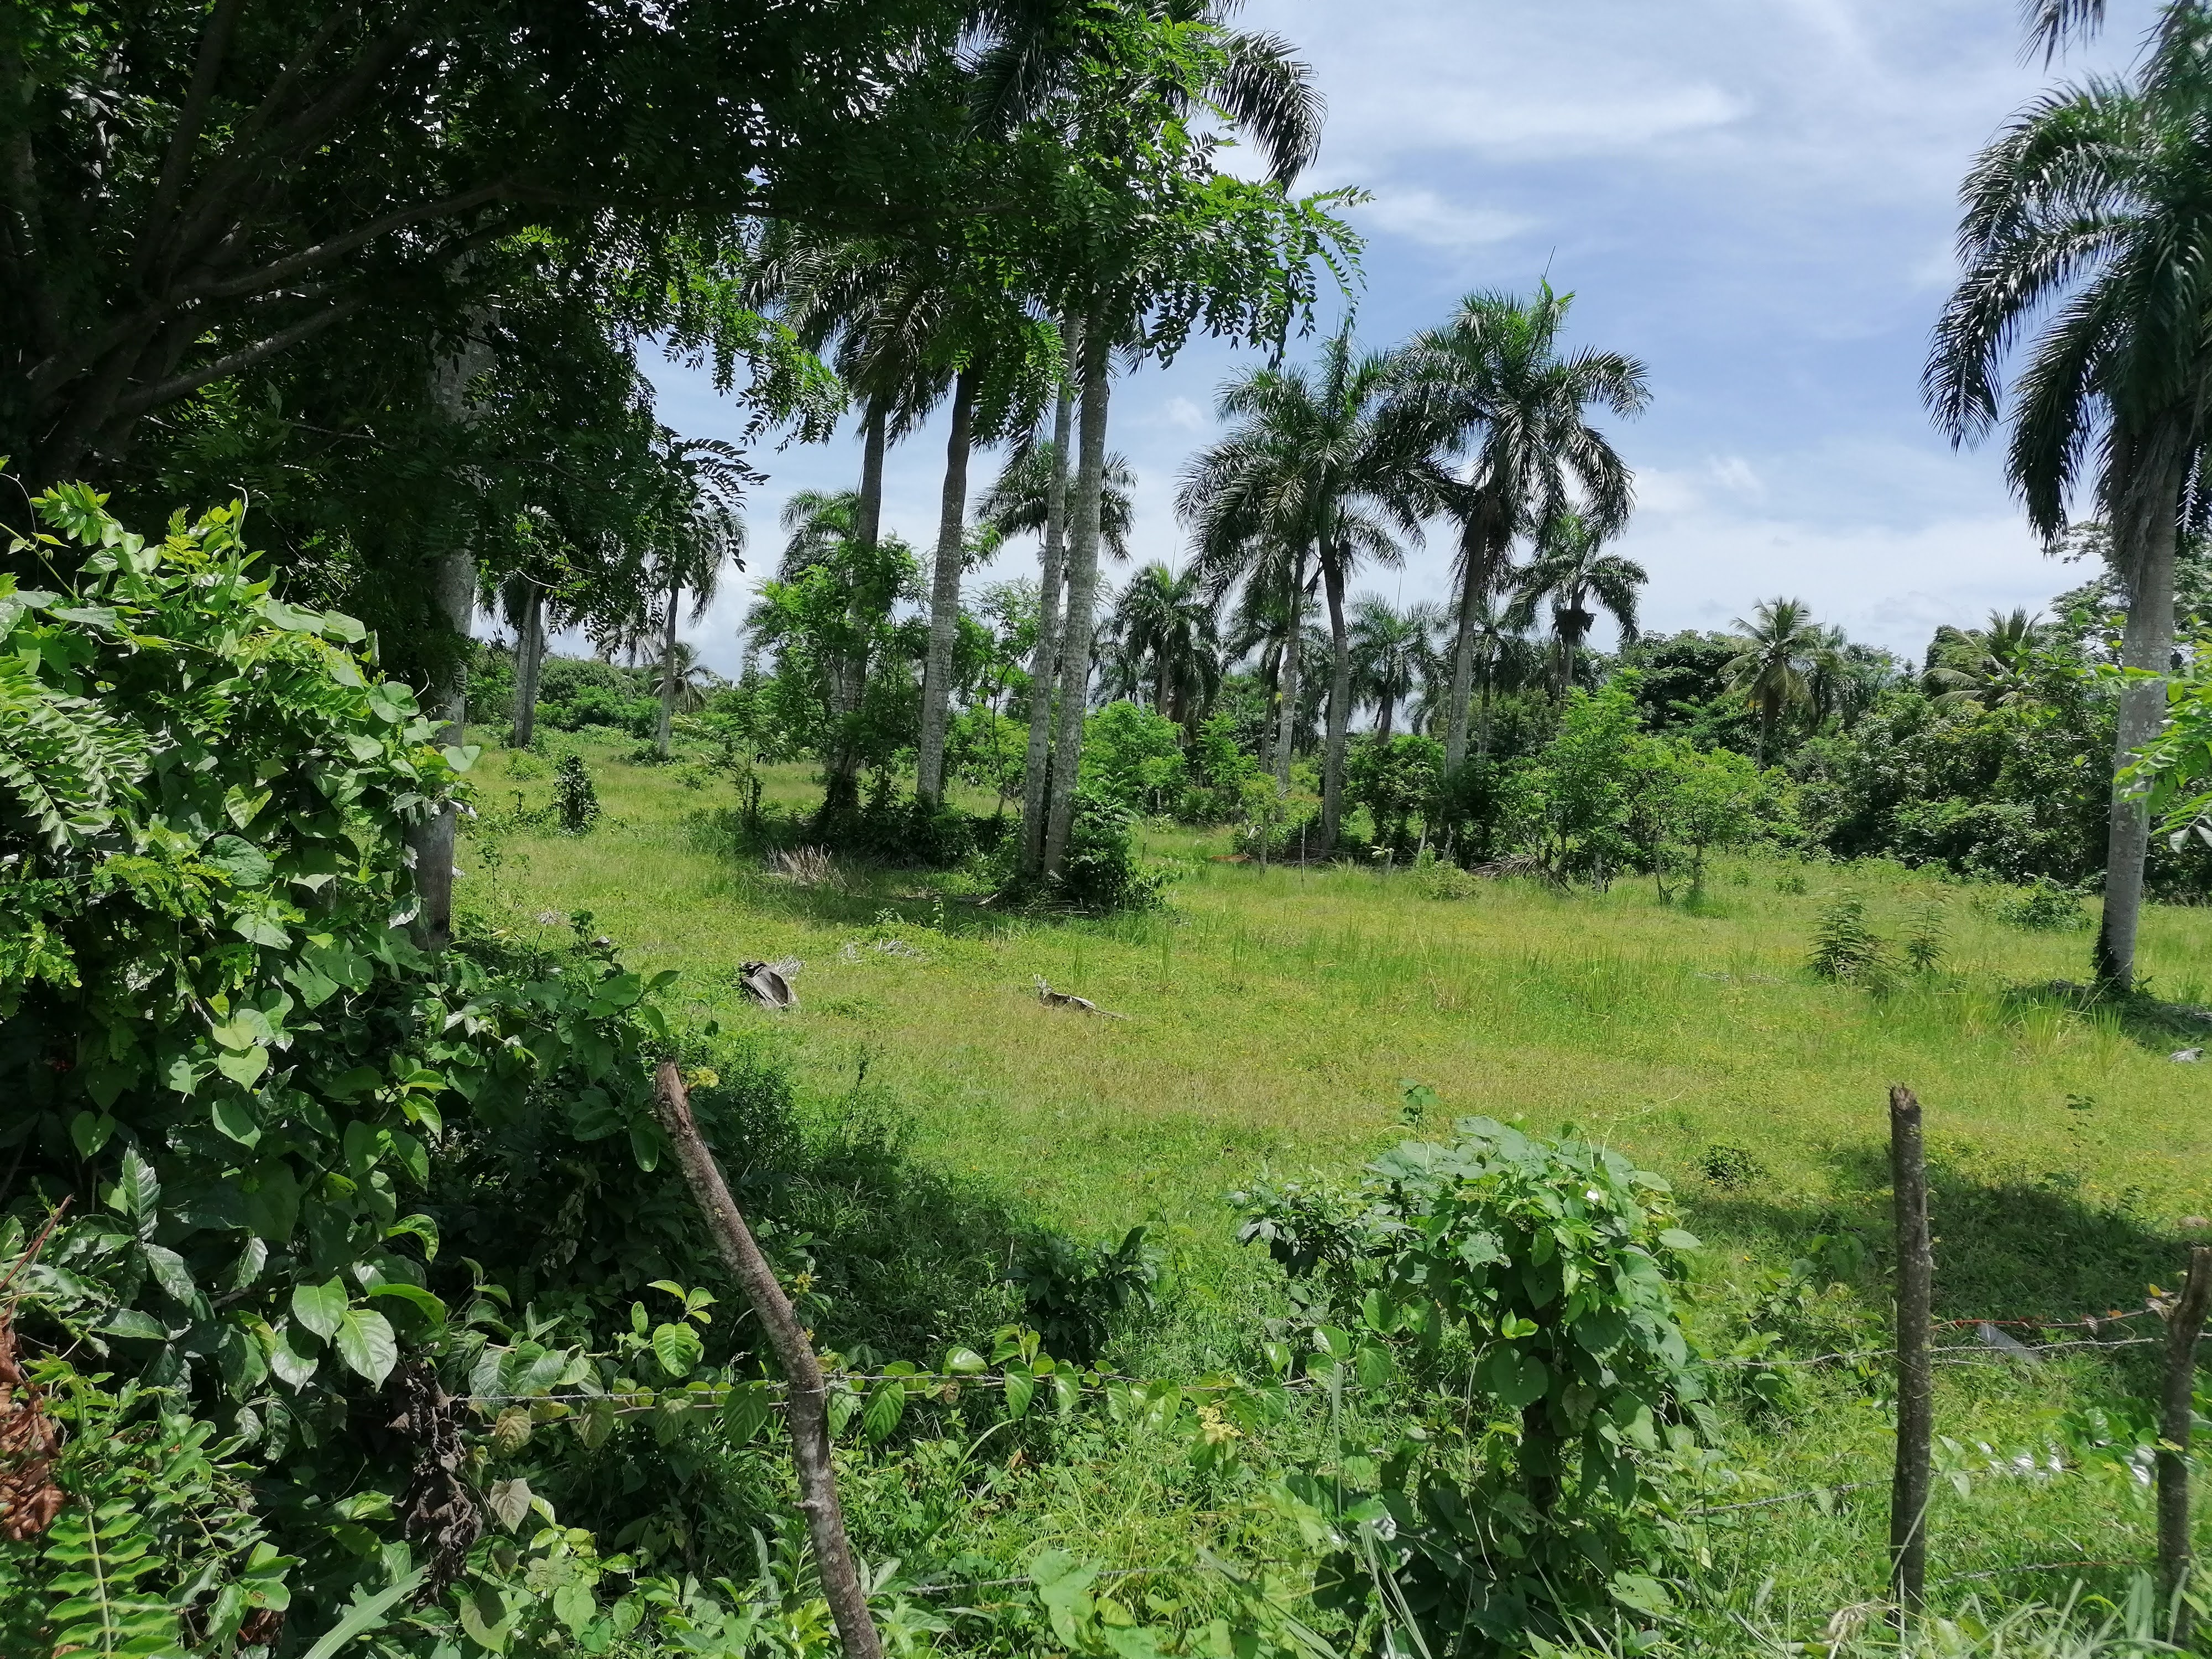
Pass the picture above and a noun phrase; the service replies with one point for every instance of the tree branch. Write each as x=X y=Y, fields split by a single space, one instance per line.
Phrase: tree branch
x=809 y=1392
x=214 y=42
x=168 y=390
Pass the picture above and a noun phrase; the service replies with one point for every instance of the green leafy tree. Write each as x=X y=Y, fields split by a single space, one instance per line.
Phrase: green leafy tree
x=1392 y=655
x=1779 y=652
x=1572 y=571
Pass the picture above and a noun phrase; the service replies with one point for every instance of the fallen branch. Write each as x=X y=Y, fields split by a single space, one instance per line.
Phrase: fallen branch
x=1053 y=999
x=809 y=1394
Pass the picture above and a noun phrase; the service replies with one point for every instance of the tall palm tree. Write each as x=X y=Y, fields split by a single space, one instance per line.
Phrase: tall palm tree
x=1495 y=388
x=1972 y=668
x=1164 y=621
x=1265 y=622
x=682 y=680
x=702 y=533
x=2086 y=229
x=1392 y=651
x=1573 y=571
x=1782 y=648
x=1320 y=458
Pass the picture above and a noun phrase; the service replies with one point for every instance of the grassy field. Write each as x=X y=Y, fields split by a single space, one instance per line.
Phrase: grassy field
x=1271 y=1019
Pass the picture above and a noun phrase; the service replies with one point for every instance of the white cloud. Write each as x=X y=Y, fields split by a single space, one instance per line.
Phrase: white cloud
x=1734 y=474
x=1427 y=216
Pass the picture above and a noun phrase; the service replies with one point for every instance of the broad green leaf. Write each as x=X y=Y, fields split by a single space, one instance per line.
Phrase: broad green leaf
x=679 y=1349
x=745 y=1412
x=294 y=1368
x=170 y=1273
x=886 y=1405
x=88 y=1132
x=367 y=1344
x=966 y=1362
x=1021 y=1386
x=430 y=1307
x=234 y=1117
x=243 y=1069
x=137 y=1190
x=1675 y=1239
x=136 y=1326
x=509 y=1501
x=320 y=1307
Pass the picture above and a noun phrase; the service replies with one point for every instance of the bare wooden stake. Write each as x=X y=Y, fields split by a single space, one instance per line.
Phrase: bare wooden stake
x=2185 y=1322
x=1916 y=1383
x=808 y=1392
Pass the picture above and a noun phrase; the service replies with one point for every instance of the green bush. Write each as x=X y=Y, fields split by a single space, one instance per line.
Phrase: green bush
x=1844 y=947
x=575 y=797
x=1524 y=1289
x=2042 y=906
x=1132 y=758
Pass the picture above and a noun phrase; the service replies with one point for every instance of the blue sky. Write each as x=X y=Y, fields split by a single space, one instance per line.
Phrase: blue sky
x=1755 y=197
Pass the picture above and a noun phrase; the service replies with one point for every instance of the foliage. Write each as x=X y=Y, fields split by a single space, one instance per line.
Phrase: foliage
x=575 y=799
x=1844 y=947
x=1102 y=871
x=1221 y=769
x=2042 y=906
x=1730 y=1167
x=1394 y=780
x=1132 y=758
x=1527 y=1285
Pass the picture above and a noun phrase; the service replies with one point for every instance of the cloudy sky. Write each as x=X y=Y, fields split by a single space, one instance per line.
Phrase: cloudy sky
x=1755 y=197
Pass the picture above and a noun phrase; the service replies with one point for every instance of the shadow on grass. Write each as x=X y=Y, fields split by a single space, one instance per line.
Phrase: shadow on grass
x=2007 y=1246
x=2144 y=1019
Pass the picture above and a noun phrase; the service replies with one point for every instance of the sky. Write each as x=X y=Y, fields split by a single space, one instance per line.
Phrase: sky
x=1756 y=197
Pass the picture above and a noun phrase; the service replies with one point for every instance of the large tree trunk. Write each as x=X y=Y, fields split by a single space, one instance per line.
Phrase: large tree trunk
x=668 y=671
x=453 y=599
x=1082 y=590
x=1474 y=581
x=1339 y=698
x=1044 y=662
x=2146 y=551
x=848 y=679
x=945 y=596
x=1288 y=691
x=1382 y=717
x=529 y=665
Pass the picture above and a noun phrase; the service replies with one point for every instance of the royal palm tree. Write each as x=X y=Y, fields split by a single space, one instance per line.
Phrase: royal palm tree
x=1494 y=388
x=702 y=533
x=1782 y=648
x=1164 y=622
x=1392 y=652
x=2088 y=233
x=1572 y=570
x=1321 y=459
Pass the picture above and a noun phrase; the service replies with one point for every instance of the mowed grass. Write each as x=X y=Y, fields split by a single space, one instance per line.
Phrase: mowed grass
x=1269 y=1022
x=1271 y=1017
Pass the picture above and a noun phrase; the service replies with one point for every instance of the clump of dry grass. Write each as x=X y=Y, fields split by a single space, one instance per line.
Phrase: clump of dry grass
x=806 y=866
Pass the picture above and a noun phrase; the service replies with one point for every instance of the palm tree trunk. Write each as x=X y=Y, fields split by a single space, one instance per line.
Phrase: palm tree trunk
x=1472 y=580
x=1489 y=681
x=848 y=679
x=528 y=669
x=2147 y=644
x=944 y=595
x=1286 y=715
x=1044 y=662
x=1382 y=718
x=1339 y=698
x=1082 y=589
x=668 y=669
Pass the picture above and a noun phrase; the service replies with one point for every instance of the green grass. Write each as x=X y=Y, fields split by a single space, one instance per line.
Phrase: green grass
x=1271 y=1019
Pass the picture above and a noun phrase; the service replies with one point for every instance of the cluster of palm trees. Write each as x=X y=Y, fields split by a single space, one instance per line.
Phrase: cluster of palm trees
x=1485 y=423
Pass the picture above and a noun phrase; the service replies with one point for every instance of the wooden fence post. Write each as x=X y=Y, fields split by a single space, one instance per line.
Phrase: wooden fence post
x=808 y=1398
x=1916 y=1386
x=2185 y=1322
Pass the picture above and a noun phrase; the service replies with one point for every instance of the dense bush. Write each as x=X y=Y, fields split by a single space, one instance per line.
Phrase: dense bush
x=1133 y=759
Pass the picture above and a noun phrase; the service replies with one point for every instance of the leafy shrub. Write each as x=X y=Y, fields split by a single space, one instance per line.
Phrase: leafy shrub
x=1394 y=781
x=575 y=797
x=1730 y=1166
x=1132 y=758
x=1526 y=1286
x=521 y=763
x=1844 y=948
x=1102 y=870
x=1435 y=878
x=2044 y=906
x=1923 y=945
x=1074 y=1293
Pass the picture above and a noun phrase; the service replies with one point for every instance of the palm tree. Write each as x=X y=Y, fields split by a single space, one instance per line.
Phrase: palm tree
x=1972 y=669
x=1571 y=570
x=1019 y=504
x=681 y=681
x=2085 y=229
x=704 y=531
x=1321 y=459
x=1392 y=653
x=1492 y=381
x=1164 y=622
x=1782 y=648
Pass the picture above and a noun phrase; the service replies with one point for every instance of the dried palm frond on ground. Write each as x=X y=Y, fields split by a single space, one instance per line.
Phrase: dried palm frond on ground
x=805 y=867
